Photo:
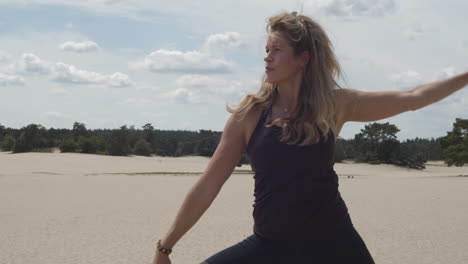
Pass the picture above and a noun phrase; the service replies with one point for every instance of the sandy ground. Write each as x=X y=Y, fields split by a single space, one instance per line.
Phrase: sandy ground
x=67 y=208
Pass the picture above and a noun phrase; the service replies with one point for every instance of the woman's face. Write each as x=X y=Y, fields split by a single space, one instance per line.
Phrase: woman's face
x=280 y=62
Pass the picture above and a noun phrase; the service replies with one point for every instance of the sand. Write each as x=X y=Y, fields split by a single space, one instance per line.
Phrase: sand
x=69 y=208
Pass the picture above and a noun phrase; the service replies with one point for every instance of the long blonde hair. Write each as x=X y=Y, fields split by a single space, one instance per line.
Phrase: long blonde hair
x=316 y=107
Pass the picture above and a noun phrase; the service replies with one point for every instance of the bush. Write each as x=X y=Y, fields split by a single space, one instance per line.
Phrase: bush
x=88 y=144
x=119 y=142
x=7 y=143
x=68 y=145
x=142 y=147
x=22 y=144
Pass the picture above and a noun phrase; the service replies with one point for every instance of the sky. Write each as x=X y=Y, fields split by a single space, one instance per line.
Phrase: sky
x=176 y=64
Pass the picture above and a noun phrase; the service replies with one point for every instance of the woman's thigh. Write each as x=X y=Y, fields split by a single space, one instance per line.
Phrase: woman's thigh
x=346 y=246
x=351 y=246
x=252 y=249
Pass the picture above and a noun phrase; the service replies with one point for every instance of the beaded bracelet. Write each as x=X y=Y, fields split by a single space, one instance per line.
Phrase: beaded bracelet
x=163 y=250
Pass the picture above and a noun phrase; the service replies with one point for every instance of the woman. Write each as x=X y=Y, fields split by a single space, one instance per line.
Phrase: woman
x=288 y=129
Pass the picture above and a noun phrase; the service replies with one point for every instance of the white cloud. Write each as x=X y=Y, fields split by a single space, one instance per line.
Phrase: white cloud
x=118 y=79
x=53 y=114
x=30 y=64
x=224 y=42
x=70 y=74
x=196 y=81
x=4 y=57
x=135 y=101
x=414 y=32
x=85 y=46
x=406 y=79
x=173 y=61
x=446 y=73
x=10 y=80
x=214 y=87
x=182 y=96
x=65 y=73
x=355 y=8
x=58 y=90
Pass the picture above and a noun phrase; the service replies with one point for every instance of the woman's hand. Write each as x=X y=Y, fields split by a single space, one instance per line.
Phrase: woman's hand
x=161 y=258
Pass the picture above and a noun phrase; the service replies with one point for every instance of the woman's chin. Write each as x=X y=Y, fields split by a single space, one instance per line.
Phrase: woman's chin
x=271 y=80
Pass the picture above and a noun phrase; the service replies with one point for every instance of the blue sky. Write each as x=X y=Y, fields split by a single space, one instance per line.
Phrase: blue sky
x=176 y=64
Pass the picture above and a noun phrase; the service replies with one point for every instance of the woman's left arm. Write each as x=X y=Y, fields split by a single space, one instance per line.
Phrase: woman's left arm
x=364 y=106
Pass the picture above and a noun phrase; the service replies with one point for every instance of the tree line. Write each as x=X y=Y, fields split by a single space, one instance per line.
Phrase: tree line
x=376 y=143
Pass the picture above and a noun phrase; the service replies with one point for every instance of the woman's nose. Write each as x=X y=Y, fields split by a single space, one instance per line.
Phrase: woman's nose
x=267 y=58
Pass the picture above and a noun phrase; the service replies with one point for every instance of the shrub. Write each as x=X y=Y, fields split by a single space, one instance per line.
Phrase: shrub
x=68 y=145
x=7 y=143
x=142 y=147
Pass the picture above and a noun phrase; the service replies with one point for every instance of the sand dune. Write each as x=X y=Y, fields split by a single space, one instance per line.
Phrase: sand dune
x=80 y=208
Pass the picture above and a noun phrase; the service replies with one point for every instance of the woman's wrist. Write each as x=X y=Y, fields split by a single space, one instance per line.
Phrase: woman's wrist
x=162 y=248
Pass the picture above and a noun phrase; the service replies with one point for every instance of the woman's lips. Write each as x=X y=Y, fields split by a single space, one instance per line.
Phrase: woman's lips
x=268 y=69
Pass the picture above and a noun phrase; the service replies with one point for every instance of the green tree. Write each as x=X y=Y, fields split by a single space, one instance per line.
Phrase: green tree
x=376 y=143
x=7 y=143
x=207 y=145
x=339 y=151
x=455 y=144
x=68 y=145
x=142 y=147
x=185 y=148
x=79 y=130
x=2 y=132
x=148 y=135
x=119 y=142
x=31 y=137
x=88 y=144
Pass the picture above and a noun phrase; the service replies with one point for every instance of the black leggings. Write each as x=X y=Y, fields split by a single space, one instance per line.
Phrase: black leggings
x=346 y=246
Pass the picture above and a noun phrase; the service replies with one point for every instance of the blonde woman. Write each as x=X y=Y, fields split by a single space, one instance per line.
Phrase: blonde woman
x=288 y=129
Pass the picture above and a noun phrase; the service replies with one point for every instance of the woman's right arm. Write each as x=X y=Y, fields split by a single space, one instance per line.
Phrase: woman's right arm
x=204 y=191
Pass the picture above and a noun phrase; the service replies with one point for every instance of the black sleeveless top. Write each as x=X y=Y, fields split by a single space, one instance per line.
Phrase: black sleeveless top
x=296 y=188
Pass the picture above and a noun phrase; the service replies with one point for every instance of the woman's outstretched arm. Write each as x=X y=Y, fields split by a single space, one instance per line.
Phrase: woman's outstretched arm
x=205 y=190
x=364 y=106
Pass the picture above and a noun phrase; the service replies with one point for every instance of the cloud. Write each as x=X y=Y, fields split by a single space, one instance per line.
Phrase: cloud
x=58 y=90
x=54 y=115
x=356 y=8
x=446 y=73
x=414 y=32
x=135 y=101
x=406 y=79
x=10 y=80
x=173 y=61
x=204 y=86
x=4 y=57
x=196 y=81
x=182 y=96
x=80 y=47
x=224 y=42
x=30 y=64
x=66 y=73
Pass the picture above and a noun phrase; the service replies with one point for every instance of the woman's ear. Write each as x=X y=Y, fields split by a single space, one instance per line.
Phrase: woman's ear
x=305 y=57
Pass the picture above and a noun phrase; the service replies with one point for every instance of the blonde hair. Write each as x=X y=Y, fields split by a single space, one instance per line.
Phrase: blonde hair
x=316 y=109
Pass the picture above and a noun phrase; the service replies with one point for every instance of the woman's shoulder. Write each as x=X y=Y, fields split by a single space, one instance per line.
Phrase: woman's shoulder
x=250 y=120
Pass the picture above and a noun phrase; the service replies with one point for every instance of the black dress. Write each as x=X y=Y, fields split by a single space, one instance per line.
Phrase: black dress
x=299 y=215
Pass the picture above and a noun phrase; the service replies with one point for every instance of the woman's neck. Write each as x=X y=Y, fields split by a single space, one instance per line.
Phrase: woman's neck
x=288 y=94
